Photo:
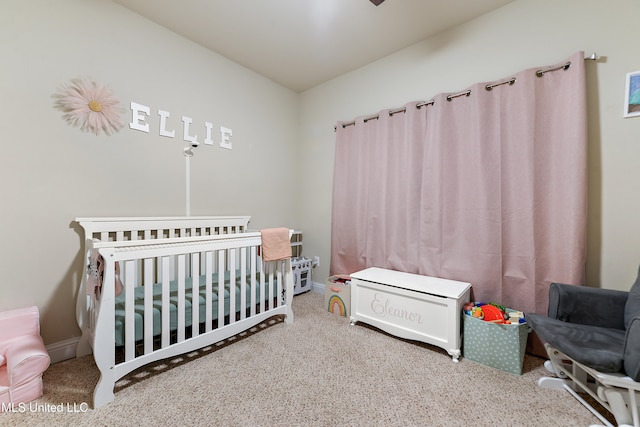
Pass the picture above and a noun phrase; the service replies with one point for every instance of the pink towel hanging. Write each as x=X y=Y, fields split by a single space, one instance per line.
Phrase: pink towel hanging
x=275 y=244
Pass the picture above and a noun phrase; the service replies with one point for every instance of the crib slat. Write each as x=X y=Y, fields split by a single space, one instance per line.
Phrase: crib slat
x=273 y=289
x=166 y=312
x=182 y=272
x=133 y=235
x=208 y=291
x=221 y=288
x=232 y=285
x=265 y=271
x=243 y=283
x=158 y=263
x=252 y=312
x=195 y=294
x=172 y=270
x=129 y=311
x=278 y=295
x=148 y=305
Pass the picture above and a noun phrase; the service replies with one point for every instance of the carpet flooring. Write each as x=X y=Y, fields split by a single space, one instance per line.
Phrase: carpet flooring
x=317 y=371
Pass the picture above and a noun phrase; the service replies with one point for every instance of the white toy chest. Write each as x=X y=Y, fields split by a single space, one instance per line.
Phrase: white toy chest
x=411 y=306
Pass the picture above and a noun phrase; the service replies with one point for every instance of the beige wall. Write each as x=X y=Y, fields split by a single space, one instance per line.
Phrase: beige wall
x=51 y=173
x=523 y=34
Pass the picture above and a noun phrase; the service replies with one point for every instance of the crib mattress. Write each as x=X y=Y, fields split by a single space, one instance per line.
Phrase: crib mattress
x=173 y=306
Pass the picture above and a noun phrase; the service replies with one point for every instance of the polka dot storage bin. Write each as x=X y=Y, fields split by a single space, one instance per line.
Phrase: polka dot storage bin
x=500 y=346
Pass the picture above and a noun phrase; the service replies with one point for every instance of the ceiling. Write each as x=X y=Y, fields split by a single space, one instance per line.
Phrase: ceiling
x=302 y=43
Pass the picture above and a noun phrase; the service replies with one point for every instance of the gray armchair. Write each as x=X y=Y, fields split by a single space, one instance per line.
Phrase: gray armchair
x=592 y=337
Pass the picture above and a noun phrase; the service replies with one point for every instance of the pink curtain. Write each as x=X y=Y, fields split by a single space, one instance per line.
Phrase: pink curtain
x=484 y=186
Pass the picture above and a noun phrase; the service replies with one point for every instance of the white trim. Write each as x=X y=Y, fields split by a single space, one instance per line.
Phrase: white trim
x=62 y=350
x=317 y=287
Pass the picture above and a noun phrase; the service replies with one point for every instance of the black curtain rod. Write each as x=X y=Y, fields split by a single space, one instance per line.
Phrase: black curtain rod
x=510 y=81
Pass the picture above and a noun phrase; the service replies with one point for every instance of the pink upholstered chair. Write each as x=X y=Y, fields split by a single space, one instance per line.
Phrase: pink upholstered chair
x=23 y=357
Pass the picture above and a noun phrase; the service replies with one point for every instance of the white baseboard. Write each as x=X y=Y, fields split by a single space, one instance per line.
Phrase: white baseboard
x=63 y=350
x=317 y=287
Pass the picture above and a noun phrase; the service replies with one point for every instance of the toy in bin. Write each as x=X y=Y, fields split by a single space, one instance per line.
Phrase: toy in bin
x=494 y=313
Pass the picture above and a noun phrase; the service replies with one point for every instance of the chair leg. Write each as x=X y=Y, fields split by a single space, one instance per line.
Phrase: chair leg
x=553 y=383
x=615 y=392
x=549 y=367
x=557 y=363
x=618 y=403
x=557 y=366
x=573 y=378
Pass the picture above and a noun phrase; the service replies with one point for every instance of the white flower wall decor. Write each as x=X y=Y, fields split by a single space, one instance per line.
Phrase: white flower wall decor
x=90 y=106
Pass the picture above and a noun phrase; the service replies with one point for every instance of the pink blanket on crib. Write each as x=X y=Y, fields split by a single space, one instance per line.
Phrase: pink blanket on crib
x=275 y=244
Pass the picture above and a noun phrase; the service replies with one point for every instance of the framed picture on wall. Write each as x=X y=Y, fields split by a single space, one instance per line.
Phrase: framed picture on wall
x=632 y=95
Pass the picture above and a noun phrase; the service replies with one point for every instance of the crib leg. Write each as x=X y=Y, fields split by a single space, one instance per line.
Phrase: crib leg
x=105 y=361
x=288 y=318
x=288 y=283
x=103 y=393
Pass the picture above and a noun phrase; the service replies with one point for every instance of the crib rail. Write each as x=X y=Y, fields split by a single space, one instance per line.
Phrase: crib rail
x=145 y=228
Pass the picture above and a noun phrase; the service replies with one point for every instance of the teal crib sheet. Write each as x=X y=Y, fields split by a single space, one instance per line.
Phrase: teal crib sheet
x=173 y=306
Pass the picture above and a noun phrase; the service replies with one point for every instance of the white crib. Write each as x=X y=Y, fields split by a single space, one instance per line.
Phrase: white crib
x=187 y=282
